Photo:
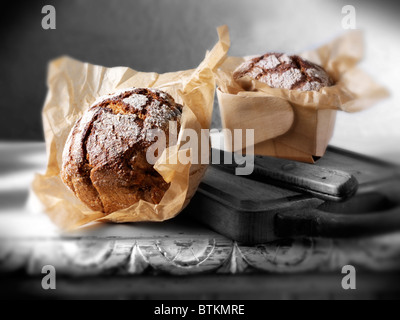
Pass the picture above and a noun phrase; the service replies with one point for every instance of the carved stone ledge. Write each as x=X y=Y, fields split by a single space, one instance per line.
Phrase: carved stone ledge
x=187 y=256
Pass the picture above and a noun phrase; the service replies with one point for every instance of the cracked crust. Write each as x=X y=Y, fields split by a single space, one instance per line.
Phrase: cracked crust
x=286 y=72
x=104 y=158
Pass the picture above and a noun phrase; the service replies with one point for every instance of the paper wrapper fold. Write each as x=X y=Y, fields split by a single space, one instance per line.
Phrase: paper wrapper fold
x=73 y=86
x=293 y=124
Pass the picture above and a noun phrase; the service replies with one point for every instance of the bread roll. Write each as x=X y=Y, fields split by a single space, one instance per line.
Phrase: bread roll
x=104 y=159
x=286 y=72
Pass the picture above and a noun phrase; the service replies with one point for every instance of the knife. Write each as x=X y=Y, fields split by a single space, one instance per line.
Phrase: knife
x=323 y=183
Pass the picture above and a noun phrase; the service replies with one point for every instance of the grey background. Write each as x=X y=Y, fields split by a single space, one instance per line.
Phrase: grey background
x=170 y=35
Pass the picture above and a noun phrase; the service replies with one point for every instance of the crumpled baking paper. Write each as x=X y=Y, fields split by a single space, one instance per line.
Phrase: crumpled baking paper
x=294 y=124
x=73 y=86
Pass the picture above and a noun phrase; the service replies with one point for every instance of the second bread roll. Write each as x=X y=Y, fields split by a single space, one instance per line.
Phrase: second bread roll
x=286 y=72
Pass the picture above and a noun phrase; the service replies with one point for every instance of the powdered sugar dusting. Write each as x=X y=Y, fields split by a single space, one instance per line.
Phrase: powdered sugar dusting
x=112 y=135
x=73 y=150
x=104 y=159
x=160 y=93
x=158 y=117
x=310 y=86
x=109 y=96
x=255 y=72
x=107 y=135
x=320 y=74
x=285 y=59
x=244 y=67
x=285 y=80
x=269 y=62
x=286 y=72
x=137 y=101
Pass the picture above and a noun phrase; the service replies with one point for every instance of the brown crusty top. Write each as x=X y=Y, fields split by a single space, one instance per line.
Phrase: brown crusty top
x=286 y=72
x=104 y=159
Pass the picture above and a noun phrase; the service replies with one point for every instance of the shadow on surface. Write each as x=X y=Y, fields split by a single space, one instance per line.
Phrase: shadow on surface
x=22 y=156
x=13 y=199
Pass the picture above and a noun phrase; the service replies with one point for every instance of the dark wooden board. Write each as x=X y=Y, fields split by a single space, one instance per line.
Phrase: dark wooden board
x=251 y=211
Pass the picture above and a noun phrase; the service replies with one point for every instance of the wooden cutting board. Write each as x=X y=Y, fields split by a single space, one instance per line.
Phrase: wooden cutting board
x=251 y=210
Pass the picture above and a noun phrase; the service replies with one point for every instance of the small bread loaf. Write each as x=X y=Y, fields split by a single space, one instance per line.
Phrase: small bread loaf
x=104 y=159
x=286 y=72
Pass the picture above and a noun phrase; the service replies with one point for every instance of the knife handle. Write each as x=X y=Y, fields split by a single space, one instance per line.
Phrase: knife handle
x=324 y=183
x=318 y=223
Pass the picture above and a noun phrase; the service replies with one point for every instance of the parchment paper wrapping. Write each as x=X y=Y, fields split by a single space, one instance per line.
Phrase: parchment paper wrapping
x=74 y=86
x=293 y=124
